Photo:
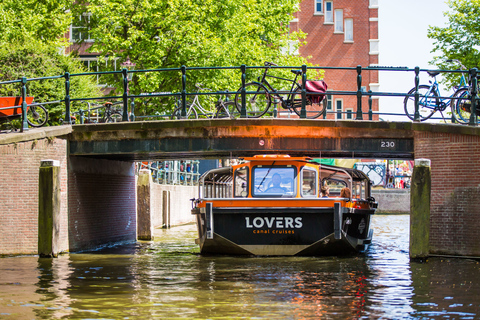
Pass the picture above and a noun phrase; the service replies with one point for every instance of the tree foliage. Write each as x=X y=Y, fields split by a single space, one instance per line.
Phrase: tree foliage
x=157 y=34
x=35 y=60
x=460 y=39
x=45 y=20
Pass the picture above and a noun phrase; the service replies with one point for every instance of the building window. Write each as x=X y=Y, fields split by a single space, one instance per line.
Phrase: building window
x=329 y=102
x=92 y=64
x=318 y=6
x=373 y=46
x=349 y=114
x=291 y=48
x=328 y=12
x=339 y=20
x=373 y=4
x=80 y=30
x=348 y=30
x=339 y=107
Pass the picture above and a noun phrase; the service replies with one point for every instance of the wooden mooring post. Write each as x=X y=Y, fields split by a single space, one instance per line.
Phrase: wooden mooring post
x=420 y=210
x=49 y=208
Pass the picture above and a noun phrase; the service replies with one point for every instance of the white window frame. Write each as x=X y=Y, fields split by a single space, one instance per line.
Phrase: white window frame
x=83 y=16
x=348 y=30
x=329 y=98
x=316 y=3
x=328 y=13
x=88 y=60
x=374 y=46
x=338 y=20
x=348 y=115
x=373 y=4
x=339 y=108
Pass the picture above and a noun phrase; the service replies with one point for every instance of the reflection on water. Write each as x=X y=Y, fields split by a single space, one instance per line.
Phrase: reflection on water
x=167 y=278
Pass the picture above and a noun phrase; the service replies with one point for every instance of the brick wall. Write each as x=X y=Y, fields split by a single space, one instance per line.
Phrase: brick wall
x=329 y=49
x=19 y=170
x=101 y=202
x=455 y=209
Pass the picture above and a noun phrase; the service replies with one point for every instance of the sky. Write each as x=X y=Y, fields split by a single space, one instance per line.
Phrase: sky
x=403 y=27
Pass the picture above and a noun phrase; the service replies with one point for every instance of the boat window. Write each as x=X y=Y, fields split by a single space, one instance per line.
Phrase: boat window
x=241 y=182
x=217 y=183
x=309 y=182
x=274 y=181
x=358 y=190
x=335 y=186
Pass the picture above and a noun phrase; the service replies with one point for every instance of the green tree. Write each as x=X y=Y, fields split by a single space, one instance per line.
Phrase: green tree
x=460 y=39
x=35 y=60
x=157 y=34
x=46 y=21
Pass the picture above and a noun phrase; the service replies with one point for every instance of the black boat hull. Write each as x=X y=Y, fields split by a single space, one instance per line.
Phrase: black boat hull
x=283 y=231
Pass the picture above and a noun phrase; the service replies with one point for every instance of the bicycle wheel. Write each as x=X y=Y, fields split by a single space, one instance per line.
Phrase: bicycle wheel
x=427 y=104
x=314 y=110
x=191 y=113
x=461 y=104
x=115 y=117
x=227 y=110
x=257 y=103
x=37 y=116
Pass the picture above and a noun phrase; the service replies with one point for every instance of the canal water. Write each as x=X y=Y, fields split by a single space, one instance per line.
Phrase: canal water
x=168 y=279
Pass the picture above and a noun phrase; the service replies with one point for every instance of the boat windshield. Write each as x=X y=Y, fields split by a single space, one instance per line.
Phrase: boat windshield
x=274 y=181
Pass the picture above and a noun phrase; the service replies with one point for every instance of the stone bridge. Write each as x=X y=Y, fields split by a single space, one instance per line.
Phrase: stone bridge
x=97 y=180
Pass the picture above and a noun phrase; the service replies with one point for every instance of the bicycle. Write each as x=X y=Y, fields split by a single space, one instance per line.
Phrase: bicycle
x=223 y=109
x=430 y=100
x=462 y=104
x=259 y=97
x=109 y=115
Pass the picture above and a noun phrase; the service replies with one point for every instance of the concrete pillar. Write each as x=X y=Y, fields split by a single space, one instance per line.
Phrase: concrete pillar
x=49 y=208
x=420 y=210
x=166 y=209
x=144 y=206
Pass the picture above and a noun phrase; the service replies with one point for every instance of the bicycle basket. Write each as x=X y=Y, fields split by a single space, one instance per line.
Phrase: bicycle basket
x=319 y=87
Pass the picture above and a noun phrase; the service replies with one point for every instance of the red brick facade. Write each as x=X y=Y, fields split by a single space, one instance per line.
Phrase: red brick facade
x=329 y=48
x=19 y=172
x=97 y=203
x=101 y=202
x=455 y=209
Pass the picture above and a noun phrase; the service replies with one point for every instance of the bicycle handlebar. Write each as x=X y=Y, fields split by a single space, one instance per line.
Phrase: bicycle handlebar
x=269 y=64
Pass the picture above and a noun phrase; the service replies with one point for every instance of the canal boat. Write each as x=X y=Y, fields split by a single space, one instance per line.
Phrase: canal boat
x=272 y=205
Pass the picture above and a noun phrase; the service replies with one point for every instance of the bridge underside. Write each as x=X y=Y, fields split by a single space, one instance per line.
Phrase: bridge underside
x=217 y=138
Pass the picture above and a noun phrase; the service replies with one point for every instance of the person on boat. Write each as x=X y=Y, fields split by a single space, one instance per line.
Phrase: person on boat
x=276 y=187
x=325 y=191
x=345 y=193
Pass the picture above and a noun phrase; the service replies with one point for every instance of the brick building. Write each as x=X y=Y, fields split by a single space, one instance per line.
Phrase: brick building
x=342 y=33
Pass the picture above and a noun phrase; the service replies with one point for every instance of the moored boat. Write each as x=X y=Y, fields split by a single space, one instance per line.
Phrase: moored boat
x=272 y=205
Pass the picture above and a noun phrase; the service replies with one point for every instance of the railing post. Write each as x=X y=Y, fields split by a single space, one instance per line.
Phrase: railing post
x=416 y=117
x=125 y=94
x=370 y=103
x=68 y=115
x=183 y=113
x=473 y=105
x=82 y=116
x=303 y=112
x=132 y=109
x=23 y=89
x=243 y=111
x=359 y=94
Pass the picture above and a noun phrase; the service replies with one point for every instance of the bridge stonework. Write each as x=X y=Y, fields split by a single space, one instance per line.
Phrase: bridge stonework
x=19 y=173
x=455 y=205
x=97 y=196
x=101 y=202
x=98 y=187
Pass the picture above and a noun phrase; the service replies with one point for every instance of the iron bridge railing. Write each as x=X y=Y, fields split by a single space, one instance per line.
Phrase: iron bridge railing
x=182 y=94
